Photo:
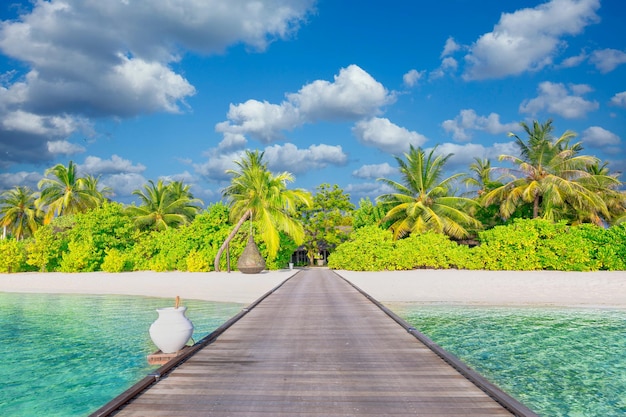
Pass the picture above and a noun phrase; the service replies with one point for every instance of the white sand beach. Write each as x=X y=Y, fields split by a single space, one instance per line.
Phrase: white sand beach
x=542 y=288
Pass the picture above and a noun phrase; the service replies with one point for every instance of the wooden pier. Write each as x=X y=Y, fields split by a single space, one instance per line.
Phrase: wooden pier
x=315 y=346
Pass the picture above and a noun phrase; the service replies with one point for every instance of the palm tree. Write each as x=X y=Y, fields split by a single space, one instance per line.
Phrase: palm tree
x=163 y=206
x=92 y=185
x=18 y=212
x=63 y=192
x=256 y=194
x=422 y=201
x=481 y=179
x=606 y=185
x=554 y=177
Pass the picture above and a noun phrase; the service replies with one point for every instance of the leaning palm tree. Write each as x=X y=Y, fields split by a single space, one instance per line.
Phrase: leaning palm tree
x=64 y=192
x=423 y=201
x=256 y=194
x=162 y=207
x=18 y=212
x=554 y=177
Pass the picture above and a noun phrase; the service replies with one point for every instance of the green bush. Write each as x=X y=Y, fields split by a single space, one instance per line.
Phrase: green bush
x=607 y=247
x=115 y=261
x=373 y=249
x=368 y=249
x=45 y=249
x=12 y=255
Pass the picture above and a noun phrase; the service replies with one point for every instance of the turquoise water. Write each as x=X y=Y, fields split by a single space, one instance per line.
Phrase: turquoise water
x=558 y=362
x=67 y=355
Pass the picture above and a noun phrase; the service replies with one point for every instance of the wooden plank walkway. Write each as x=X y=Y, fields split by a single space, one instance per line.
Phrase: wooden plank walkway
x=315 y=347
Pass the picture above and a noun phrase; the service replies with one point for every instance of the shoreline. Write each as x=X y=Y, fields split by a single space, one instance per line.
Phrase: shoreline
x=603 y=289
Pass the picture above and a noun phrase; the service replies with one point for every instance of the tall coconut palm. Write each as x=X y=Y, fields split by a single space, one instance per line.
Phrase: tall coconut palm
x=606 y=184
x=256 y=194
x=92 y=185
x=18 y=212
x=423 y=201
x=554 y=177
x=163 y=207
x=64 y=192
x=480 y=177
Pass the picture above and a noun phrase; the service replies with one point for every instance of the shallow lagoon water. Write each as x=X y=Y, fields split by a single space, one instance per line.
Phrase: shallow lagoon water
x=558 y=362
x=67 y=355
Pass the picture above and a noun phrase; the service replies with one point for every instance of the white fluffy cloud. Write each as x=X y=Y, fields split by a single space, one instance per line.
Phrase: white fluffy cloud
x=558 y=99
x=528 y=39
x=261 y=120
x=289 y=157
x=370 y=190
x=468 y=120
x=123 y=184
x=598 y=137
x=63 y=147
x=121 y=67
x=352 y=95
x=412 y=77
x=374 y=171
x=606 y=60
x=98 y=166
x=450 y=47
x=619 y=99
x=386 y=136
x=463 y=155
x=23 y=178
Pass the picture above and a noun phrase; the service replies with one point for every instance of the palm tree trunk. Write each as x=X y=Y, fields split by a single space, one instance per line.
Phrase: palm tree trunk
x=536 y=207
x=230 y=237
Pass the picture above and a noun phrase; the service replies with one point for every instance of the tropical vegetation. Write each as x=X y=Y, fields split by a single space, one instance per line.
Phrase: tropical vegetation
x=257 y=195
x=550 y=207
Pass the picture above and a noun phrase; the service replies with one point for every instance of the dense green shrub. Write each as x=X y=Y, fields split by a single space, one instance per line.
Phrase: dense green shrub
x=367 y=249
x=535 y=244
x=45 y=249
x=607 y=246
x=373 y=249
x=12 y=255
x=115 y=261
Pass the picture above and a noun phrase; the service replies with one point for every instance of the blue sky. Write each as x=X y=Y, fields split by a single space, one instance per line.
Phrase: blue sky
x=137 y=90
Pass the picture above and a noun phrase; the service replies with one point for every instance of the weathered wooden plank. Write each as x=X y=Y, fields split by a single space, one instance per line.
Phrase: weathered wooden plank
x=315 y=347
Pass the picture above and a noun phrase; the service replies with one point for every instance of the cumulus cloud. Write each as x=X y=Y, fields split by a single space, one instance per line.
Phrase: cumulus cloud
x=450 y=47
x=23 y=178
x=528 y=39
x=558 y=99
x=386 y=136
x=606 y=60
x=289 y=157
x=468 y=120
x=369 y=190
x=598 y=137
x=261 y=120
x=97 y=166
x=412 y=78
x=619 y=99
x=214 y=169
x=352 y=95
x=463 y=155
x=123 y=184
x=374 y=171
x=63 y=147
x=448 y=65
x=123 y=66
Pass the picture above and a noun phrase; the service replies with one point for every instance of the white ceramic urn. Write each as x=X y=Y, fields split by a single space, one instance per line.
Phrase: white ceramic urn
x=171 y=330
